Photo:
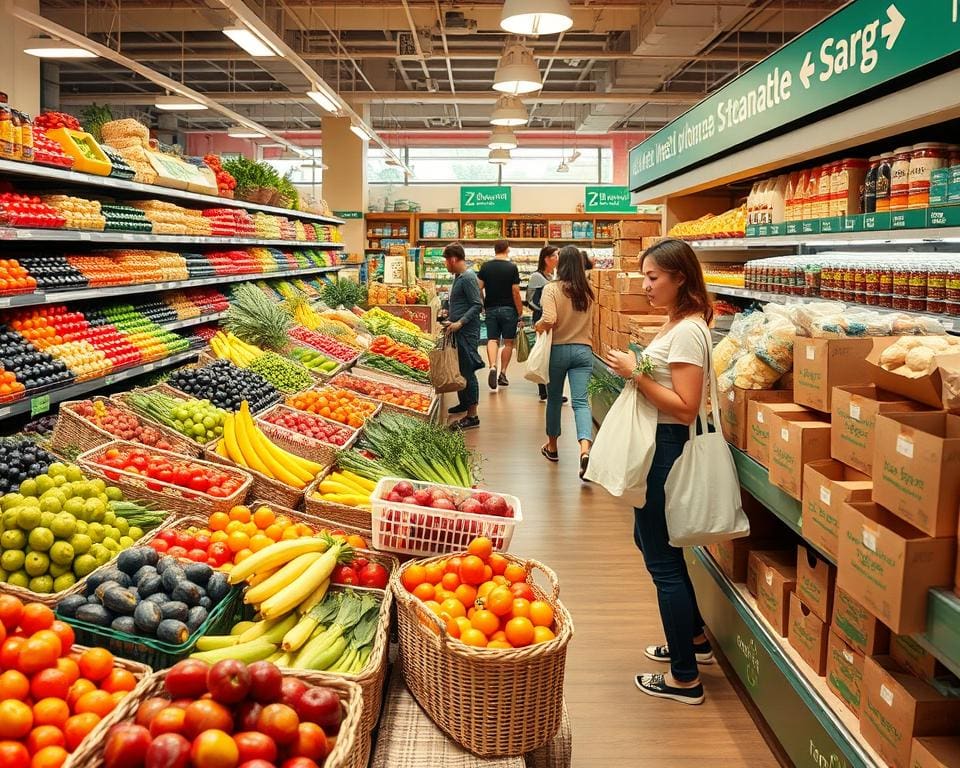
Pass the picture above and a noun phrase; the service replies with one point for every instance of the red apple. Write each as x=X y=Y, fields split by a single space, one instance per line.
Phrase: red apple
x=148 y=708
x=255 y=746
x=481 y=496
x=394 y=497
x=229 y=680
x=409 y=500
x=321 y=706
x=471 y=507
x=205 y=715
x=126 y=746
x=423 y=497
x=169 y=750
x=187 y=679
x=311 y=742
x=266 y=682
x=442 y=502
x=403 y=488
x=373 y=575
x=495 y=506
x=256 y=764
x=291 y=691
x=246 y=715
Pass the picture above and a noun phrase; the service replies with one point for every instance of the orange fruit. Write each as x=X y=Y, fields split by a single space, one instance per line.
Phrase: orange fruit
x=453 y=629
x=49 y=757
x=51 y=711
x=413 y=576
x=499 y=635
x=474 y=637
x=218 y=536
x=95 y=664
x=234 y=525
x=515 y=573
x=434 y=607
x=290 y=533
x=273 y=532
x=519 y=632
x=258 y=541
x=238 y=540
x=45 y=736
x=450 y=581
x=119 y=680
x=77 y=690
x=69 y=667
x=471 y=570
x=264 y=517
x=78 y=727
x=541 y=613
x=434 y=572
x=520 y=608
x=14 y=685
x=499 y=601
x=424 y=591
x=542 y=634
x=99 y=702
x=453 y=607
x=466 y=594
x=481 y=547
x=501 y=580
x=485 y=589
x=218 y=521
x=242 y=555
x=485 y=621
x=240 y=513
x=453 y=565
x=498 y=563
x=501 y=644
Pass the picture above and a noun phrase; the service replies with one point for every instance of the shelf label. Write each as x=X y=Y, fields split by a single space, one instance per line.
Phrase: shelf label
x=763 y=230
x=853 y=223
x=752 y=230
x=776 y=230
x=348 y=214
x=908 y=219
x=488 y=199
x=793 y=228
x=810 y=227
x=876 y=221
x=864 y=45
x=39 y=404
x=831 y=225
x=607 y=199
x=944 y=217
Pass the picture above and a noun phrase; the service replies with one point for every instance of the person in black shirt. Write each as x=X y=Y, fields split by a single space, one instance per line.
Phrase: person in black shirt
x=500 y=283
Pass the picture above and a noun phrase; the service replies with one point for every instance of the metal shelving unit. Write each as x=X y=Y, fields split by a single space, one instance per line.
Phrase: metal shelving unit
x=90 y=236
x=899 y=237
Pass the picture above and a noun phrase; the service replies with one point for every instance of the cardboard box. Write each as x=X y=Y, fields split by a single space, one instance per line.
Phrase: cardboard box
x=759 y=415
x=889 y=565
x=819 y=365
x=807 y=633
x=815 y=582
x=844 y=672
x=795 y=439
x=628 y=302
x=621 y=340
x=626 y=321
x=629 y=248
x=896 y=707
x=776 y=580
x=856 y=626
x=593 y=275
x=649 y=242
x=630 y=282
x=733 y=410
x=915 y=470
x=914 y=658
x=628 y=229
x=606 y=318
x=631 y=263
x=938 y=389
x=854 y=412
x=935 y=752
x=758 y=560
x=827 y=486
x=766 y=532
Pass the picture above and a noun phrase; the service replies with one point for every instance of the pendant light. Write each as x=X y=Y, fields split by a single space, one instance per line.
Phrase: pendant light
x=517 y=72
x=501 y=137
x=51 y=48
x=536 y=17
x=509 y=111
x=178 y=104
x=499 y=156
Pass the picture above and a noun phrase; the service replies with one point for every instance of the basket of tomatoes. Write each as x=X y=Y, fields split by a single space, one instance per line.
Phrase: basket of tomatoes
x=169 y=480
x=306 y=434
x=475 y=628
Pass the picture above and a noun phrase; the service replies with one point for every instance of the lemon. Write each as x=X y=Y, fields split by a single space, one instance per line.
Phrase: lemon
x=9 y=518
x=56 y=469
x=81 y=543
x=109 y=518
x=96 y=532
x=40 y=539
x=64 y=526
x=112 y=544
x=61 y=553
x=135 y=533
x=31 y=501
x=44 y=484
x=36 y=563
x=60 y=480
x=74 y=473
x=51 y=503
x=98 y=485
x=10 y=500
x=28 y=518
x=74 y=507
x=12 y=560
x=13 y=539
x=83 y=565
x=114 y=493
x=126 y=542
x=28 y=487
x=41 y=584
x=112 y=532
x=46 y=519
x=81 y=526
x=101 y=553
x=64 y=581
x=94 y=510
x=19 y=579
x=58 y=570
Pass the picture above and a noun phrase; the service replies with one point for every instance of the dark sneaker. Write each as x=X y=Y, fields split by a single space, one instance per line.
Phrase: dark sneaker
x=467 y=422
x=662 y=653
x=457 y=409
x=543 y=399
x=656 y=685
x=502 y=380
x=492 y=378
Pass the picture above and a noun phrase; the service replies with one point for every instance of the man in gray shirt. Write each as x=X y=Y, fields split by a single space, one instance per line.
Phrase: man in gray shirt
x=464 y=307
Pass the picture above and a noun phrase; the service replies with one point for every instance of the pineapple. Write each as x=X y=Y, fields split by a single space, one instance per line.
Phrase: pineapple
x=256 y=319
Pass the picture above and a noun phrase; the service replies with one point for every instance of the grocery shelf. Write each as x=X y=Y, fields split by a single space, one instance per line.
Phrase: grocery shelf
x=72 y=391
x=843 y=239
x=189 y=322
x=92 y=236
x=33 y=171
x=53 y=297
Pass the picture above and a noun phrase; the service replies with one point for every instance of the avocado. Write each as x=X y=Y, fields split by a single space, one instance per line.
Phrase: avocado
x=187 y=592
x=150 y=584
x=124 y=624
x=131 y=560
x=147 y=617
x=94 y=614
x=196 y=617
x=172 y=576
x=158 y=597
x=119 y=600
x=173 y=631
x=199 y=573
x=175 y=610
x=218 y=587
x=102 y=589
x=69 y=605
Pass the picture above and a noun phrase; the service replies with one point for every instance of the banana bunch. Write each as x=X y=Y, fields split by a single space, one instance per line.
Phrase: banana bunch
x=247 y=446
x=226 y=346
x=345 y=488
x=305 y=316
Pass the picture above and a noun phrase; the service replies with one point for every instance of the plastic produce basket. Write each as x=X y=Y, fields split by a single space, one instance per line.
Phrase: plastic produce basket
x=424 y=531
x=492 y=702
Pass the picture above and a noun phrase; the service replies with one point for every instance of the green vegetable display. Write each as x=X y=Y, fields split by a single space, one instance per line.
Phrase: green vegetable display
x=199 y=420
x=389 y=365
x=285 y=375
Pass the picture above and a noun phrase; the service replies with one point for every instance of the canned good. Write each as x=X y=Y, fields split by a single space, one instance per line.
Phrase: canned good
x=884 y=171
x=868 y=203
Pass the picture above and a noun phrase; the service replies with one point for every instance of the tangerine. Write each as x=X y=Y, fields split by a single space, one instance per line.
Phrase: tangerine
x=424 y=591
x=515 y=573
x=481 y=547
x=413 y=576
x=520 y=632
x=434 y=572
x=453 y=607
x=541 y=613
x=499 y=601
x=474 y=637
x=486 y=621
x=542 y=634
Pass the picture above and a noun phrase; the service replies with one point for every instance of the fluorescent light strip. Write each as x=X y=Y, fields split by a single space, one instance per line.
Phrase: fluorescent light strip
x=324 y=101
x=359 y=132
x=251 y=42
x=242 y=132
x=178 y=104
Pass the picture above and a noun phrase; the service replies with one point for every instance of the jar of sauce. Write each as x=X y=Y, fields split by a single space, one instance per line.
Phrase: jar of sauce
x=924 y=159
x=821 y=207
x=868 y=203
x=6 y=133
x=900 y=179
x=884 y=171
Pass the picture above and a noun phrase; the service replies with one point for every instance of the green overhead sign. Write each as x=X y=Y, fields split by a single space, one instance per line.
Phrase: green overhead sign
x=607 y=200
x=485 y=199
x=863 y=45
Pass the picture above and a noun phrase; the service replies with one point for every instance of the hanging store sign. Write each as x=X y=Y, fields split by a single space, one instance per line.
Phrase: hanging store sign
x=863 y=45
x=607 y=200
x=485 y=199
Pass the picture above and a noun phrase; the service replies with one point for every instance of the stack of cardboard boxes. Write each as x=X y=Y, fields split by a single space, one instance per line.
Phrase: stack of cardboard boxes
x=877 y=472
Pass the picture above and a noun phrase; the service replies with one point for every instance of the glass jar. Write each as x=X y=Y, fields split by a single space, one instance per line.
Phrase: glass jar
x=848 y=282
x=6 y=133
x=937 y=289
x=860 y=283
x=872 y=284
x=811 y=279
x=828 y=281
x=901 y=288
x=925 y=159
x=918 y=288
x=884 y=169
x=885 y=296
x=900 y=179
x=868 y=203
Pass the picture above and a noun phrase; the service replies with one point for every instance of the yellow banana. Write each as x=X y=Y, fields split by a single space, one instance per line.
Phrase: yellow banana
x=260 y=577
x=222 y=449
x=296 y=637
x=230 y=440
x=303 y=468
x=251 y=458
x=280 y=579
x=275 y=555
x=314 y=599
x=296 y=476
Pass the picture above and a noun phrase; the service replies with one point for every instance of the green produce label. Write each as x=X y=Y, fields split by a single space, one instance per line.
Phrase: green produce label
x=39 y=404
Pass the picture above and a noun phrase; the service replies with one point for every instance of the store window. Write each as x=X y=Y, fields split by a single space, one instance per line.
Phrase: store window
x=451 y=165
x=378 y=172
x=302 y=170
x=594 y=165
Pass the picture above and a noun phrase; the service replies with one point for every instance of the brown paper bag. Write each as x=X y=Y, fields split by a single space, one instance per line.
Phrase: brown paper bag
x=445 y=366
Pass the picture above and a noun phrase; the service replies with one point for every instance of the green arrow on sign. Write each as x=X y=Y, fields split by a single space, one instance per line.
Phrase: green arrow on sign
x=607 y=199
x=863 y=45
x=485 y=199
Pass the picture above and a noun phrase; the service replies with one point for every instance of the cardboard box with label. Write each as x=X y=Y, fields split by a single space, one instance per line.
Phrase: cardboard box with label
x=889 y=566
x=628 y=248
x=815 y=582
x=854 y=412
x=807 y=633
x=766 y=532
x=896 y=707
x=760 y=558
x=915 y=469
x=759 y=415
x=733 y=410
x=630 y=302
x=630 y=283
x=827 y=486
x=856 y=626
x=628 y=322
x=939 y=388
x=914 y=658
x=795 y=439
x=935 y=752
x=844 y=672
x=776 y=580
x=819 y=365
x=631 y=229
x=631 y=263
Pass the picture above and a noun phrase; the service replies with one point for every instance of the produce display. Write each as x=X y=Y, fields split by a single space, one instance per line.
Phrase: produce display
x=226 y=346
x=21 y=458
x=50 y=120
x=483 y=597
x=247 y=446
x=52 y=693
x=330 y=347
x=382 y=323
x=286 y=375
x=378 y=293
x=226 y=184
x=309 y=425
x=199 y=420
x=225 y=385
x=340 y=405
x=257 y=320
x=119 y=422
x=312 y=359
x=395 y=367
x=408 y=356
x=385 y=393
x=18 y=210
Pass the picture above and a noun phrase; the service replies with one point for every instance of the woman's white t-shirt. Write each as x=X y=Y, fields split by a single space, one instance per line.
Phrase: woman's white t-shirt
x=684 y=343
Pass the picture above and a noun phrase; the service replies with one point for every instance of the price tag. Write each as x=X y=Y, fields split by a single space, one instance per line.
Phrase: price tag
x=785 y=434
x=869 y=539
x=887 y=695
x=905 y=446
x=4 y=302
x=39 y=404
x=855 y=411
x=108 y=380
x=825 y=495
x=769 y=577
x=811 y=353
x=84 y=236
x=759 y=417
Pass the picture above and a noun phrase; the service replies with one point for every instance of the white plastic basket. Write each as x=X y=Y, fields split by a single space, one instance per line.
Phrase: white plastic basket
x=424 y=531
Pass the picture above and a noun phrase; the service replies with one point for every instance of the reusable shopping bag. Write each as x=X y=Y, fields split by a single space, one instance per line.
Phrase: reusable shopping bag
x=538 y=363
x=445 y=366
x=523 y=346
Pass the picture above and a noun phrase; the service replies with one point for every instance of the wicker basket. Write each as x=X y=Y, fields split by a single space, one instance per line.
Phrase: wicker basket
x=73 y=430
x=90 y=752
x=164 y=389
x=308 y=447
x=262 y=487
x=388 y=378
x=340 y=514
x=412 y=386
x=164 y=495
x=378 y=406
x=492 y=702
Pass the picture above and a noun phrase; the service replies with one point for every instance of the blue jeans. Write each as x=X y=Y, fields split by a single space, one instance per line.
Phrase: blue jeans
x=576 y=362
x=675 y=596
x=470 y=363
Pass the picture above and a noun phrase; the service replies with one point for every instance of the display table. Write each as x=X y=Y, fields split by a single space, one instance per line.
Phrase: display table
x=424 y=316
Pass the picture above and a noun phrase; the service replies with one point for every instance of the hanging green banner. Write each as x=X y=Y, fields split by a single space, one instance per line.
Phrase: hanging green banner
x=863 y=45
x=485 y=199
x=607 y=200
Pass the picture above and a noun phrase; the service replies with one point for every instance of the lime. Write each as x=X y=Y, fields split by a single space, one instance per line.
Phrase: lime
x=28 y=518
x=98 y=485
x=96 y=532
x=58 y=570
x=109 y=517
x=101 y=553
x=36 y=564
x=94 y=510
x=57 y=468
x=81 y=543
x=64 y=526
x=10 y=500
x=135 y=533
x=12 y=560
x=74 y=473
x=112 y=544
x=9 y=518
x=19 y=579
x=28 y=487
x=81 y=526
x=84 y=565
x=209 y=422
x=64 y=581
x=40 y=539
x=46 y=519
x=44 y=484
x=13 y=539
x=126 y=542
x=114 y=493
x=61 y=553
x=199 y=430
x=74 y=507
x=41 y=584
x=50 y=502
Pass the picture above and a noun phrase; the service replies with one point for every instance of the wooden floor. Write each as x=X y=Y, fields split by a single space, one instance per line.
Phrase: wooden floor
x=586 y=536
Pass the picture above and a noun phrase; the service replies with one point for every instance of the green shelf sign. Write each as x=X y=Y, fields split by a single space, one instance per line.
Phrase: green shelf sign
x=348 y=214
x=39 y=405
x=863 y=45
x=485 y=199
x=607 y=199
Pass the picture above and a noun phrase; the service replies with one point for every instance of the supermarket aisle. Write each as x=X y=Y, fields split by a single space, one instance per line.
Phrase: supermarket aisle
x=586 y=537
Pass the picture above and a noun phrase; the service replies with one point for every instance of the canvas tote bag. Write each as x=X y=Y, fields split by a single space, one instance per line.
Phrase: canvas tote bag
x=538 y=364
x=445 y=366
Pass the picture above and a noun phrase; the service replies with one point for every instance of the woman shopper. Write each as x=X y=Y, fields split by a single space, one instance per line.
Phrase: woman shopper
x=679 y=353
x=568 y=311
x=546 y=268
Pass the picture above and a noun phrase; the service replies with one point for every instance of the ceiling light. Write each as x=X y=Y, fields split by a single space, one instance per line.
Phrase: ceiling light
x=323 y=100
x=242 y=132
x=563 y=167
x=509 y=111
x=574 y=157
x=251 y=42
x=536 y=17
x=359 y=132
x=501 y=137
x=392 y=162
x=517 y=72
x=51 y=48
x=499 y=156
x=174 y=103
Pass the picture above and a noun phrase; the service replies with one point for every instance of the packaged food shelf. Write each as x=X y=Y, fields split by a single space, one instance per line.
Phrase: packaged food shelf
x=84 y=236
x=892 y=237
